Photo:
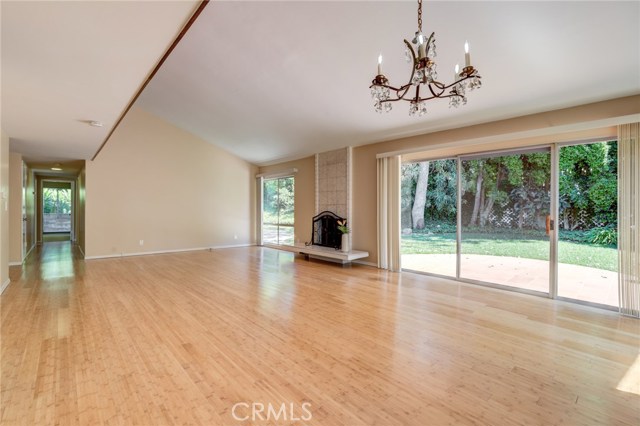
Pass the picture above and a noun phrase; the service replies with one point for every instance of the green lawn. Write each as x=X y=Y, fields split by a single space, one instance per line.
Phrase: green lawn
x=594 y=256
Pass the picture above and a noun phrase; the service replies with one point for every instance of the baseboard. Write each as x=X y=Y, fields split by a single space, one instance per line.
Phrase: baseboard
x=25 y=258
x=365 y=263
x=148 y=253
x=29 y=252
x=5 y=285
x=232 y=246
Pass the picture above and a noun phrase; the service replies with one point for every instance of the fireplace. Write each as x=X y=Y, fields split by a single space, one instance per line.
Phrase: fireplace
x=325 y=230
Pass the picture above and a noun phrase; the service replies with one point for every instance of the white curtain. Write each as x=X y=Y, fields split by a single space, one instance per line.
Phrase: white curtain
x=389 y=213
x=259 y=201
x=629 y=218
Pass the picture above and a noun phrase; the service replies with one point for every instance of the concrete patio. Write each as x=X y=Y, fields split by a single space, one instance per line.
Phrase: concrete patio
x=574 y=282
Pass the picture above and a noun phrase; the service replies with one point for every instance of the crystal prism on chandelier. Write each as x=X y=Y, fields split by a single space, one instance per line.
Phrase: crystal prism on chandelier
x=424 y=77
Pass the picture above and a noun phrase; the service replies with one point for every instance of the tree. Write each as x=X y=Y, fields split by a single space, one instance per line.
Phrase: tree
x=588 y=185
x=420 y=199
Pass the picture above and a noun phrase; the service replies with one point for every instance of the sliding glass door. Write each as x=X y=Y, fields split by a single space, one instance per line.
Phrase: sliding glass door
x=429 y=211
x=540 y=220
x=278 y=211
x=588 y=225
x=505 y=219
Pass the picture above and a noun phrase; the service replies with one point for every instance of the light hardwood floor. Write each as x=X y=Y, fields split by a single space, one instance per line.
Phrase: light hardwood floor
x=181 y=338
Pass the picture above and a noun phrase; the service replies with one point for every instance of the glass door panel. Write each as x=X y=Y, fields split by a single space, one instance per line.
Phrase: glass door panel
x=504 y=213
x=429 y=209
x=56 y=215
x=588 y=226
x=278 y=211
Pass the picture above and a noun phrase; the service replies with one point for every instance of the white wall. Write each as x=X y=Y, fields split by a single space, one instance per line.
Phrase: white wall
x=158 y=183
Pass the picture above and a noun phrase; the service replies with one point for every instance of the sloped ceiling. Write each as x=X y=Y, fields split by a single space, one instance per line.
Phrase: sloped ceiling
x=65 y=63
x=276 y=80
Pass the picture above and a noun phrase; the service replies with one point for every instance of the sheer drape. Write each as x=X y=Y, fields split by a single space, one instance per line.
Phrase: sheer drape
x=389 y=213
x=629 y=218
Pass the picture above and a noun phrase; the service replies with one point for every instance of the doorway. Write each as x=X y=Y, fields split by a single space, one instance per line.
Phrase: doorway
x=57 y=211
x=505 y=219
x=540 y=220
x=278 y=211
x=588 y=223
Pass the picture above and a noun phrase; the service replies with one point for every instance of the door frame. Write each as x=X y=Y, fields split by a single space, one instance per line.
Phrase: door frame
x=554 y=150
x=40 y=214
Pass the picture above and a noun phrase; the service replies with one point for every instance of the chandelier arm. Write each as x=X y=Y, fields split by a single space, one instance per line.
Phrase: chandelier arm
x=461 y=80
x=439 y=85
x=407 y=86
x=395 y=89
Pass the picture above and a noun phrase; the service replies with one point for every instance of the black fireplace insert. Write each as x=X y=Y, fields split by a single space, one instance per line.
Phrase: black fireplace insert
x=325 y=230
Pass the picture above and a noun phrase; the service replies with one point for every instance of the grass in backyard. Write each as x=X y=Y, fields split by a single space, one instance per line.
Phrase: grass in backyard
x=591 y=255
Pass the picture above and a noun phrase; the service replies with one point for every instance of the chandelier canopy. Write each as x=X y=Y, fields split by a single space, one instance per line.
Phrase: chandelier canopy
x=424 y=78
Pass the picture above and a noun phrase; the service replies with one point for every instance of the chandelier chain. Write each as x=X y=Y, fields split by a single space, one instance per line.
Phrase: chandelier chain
x=420 y=15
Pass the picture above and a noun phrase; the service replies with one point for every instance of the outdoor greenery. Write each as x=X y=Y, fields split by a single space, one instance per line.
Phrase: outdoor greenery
x=512 y=191
x=594 y=256
x=505 y=202
x=57 y=200
x=278 y=201
x=277 y=210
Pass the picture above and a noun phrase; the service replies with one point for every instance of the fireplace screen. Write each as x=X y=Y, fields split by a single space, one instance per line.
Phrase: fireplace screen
x=325 y=230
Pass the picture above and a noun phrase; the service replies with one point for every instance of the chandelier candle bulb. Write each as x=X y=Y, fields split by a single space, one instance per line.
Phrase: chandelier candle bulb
x=380 y=64
x=467 y=56
x=457 y=73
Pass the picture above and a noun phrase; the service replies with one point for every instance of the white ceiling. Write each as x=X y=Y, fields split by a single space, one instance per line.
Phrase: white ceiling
x=274 y=80
x=66 y=62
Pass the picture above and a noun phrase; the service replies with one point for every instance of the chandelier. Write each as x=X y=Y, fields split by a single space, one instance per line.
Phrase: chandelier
x=424 y=78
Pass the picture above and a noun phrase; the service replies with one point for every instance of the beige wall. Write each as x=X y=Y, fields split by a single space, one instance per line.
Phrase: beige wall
x=4 y=209
x=304 y=194
x=504 y=132
x=570 y=124
x=15 y=208
x=79 y=207
x=158 y=183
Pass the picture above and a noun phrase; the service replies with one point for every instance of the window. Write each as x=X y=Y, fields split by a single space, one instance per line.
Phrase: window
x=277 y=211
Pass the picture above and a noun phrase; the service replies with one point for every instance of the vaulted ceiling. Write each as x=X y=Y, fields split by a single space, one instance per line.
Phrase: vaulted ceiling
x=65 y=63
x=276 y=80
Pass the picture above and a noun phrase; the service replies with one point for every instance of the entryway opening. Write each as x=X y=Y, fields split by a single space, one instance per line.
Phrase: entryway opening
x=541 y=220
x=57 y=211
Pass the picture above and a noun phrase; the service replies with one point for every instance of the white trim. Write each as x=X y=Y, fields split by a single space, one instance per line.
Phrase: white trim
x=316 y=184
x=229 y=246
x=5 y=285
x=25 y=258
x=283 y=173
x=365 y=263
x=148 y=253
x=29 y=252
x=546 y=131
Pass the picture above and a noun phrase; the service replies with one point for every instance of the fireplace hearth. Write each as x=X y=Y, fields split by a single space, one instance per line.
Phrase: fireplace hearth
x=325 y=230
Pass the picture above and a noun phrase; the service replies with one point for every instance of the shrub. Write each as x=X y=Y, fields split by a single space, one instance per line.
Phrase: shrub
x=607 y=235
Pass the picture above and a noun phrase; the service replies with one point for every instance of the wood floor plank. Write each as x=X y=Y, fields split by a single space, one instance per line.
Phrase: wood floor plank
x=181 y=338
